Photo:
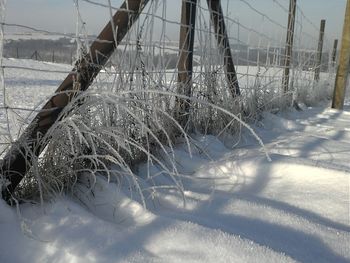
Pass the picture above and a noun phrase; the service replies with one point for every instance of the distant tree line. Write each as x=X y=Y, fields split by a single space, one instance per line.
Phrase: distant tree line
x=59 y=51
x=63 y=51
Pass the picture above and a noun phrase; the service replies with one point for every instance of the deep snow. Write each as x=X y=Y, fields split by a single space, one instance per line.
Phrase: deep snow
x=239 y=206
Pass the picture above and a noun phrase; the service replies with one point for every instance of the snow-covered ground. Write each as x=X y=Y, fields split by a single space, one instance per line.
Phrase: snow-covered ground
x=240 y=207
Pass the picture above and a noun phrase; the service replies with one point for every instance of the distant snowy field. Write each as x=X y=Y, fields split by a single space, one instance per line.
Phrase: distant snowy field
x=239 y=206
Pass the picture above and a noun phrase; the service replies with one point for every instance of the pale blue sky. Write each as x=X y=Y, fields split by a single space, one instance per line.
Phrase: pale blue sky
x=59 y=15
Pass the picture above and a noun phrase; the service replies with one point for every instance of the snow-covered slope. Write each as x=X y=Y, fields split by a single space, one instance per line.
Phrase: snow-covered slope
x=239 y=206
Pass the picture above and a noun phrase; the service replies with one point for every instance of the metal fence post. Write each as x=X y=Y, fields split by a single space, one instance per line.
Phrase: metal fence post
x=218 y=21
x=319 y=50
x=334 y=52
x=185 y=65
x=289 y=44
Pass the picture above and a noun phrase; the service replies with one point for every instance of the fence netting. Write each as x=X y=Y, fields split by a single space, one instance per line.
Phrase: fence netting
x=130 y=112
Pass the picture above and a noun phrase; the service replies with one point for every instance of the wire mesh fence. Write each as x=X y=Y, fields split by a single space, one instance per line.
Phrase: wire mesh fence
x=131 y=111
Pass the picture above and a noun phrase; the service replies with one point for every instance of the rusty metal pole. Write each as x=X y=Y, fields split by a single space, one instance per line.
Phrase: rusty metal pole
x=319 y=50
x=218 y=21
x=334 y=52
x=289 y=45
x=344 y=63
x=185 y=65
x=17 y=161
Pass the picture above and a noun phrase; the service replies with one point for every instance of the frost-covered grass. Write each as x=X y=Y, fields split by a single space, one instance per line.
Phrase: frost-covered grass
x=239 y=206
x=129 y=117
x=121 y=180
x=127 y=175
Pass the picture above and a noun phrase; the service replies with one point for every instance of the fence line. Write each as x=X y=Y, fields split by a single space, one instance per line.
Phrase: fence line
x=147 y=60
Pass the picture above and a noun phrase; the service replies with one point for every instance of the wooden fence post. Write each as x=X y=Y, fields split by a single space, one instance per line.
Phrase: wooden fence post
x=344 y=61
x=319 y=51
x=218 y=21
x=289 y=44
x=18 y=161
x=185 y=65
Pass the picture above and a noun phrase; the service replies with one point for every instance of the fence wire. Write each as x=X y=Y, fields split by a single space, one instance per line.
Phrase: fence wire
x=36 y=60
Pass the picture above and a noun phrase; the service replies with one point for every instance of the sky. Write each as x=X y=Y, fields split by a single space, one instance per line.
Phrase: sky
x=60 y=16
